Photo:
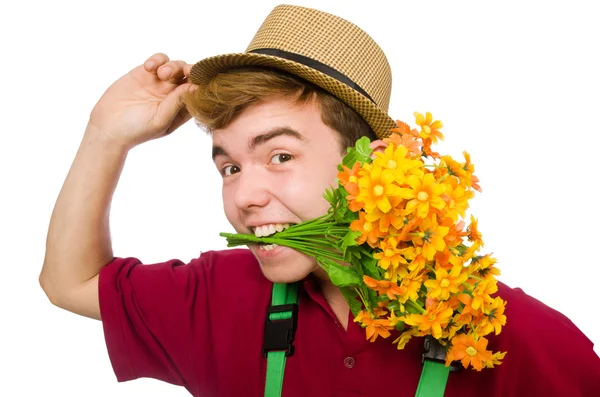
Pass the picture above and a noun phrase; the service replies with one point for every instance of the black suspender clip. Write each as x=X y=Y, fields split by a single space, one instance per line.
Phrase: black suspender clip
x=279 y=334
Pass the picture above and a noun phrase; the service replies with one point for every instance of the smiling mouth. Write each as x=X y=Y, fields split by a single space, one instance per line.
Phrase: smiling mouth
x=269 y=230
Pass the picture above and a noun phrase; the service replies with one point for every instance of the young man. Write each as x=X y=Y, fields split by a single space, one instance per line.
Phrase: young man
x=280 y=116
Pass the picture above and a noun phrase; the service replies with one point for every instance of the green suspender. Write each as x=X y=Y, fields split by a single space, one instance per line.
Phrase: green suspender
x=435 y=373
x=280 y=327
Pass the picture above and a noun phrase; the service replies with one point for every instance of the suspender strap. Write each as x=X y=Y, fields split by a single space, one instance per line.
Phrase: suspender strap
x=435 y=373
x=280 y=327
x=433 y=379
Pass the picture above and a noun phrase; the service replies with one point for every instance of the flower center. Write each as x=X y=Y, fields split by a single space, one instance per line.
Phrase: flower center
x=445 y=283
x=391 y=164
x=422 y=196
x=378 y=190
x=367 y=227
x=353 y=179
x=471 y=351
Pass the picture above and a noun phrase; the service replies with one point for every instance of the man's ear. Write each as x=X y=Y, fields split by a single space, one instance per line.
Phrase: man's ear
x=377 y=146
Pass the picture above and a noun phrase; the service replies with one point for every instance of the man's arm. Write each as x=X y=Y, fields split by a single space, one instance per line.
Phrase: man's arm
x=142 y=105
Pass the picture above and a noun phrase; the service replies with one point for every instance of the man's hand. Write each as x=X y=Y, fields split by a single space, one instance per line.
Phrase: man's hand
x=144 y=104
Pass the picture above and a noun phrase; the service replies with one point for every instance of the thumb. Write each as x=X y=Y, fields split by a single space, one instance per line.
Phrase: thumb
x=170 y=107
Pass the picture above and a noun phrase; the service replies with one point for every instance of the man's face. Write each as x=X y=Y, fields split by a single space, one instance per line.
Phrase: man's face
x=276 y=159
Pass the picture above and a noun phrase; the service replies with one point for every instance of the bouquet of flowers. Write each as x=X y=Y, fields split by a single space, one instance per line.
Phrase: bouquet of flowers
x=394 y=241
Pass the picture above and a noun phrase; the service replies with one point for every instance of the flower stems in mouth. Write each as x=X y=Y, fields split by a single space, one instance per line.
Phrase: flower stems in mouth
x=318 y=238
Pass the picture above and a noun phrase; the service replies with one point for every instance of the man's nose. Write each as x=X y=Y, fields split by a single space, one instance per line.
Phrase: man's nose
x=252 y=188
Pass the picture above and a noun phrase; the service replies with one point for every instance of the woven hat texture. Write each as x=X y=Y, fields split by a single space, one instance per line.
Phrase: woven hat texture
x=323 y=49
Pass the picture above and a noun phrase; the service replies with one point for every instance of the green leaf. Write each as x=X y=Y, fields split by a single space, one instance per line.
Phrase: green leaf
x=342 y=276
x=400 y=326
x=353 y=300
x=350 y=158
x=363 y=150
x=369 y=264
x=349 y=239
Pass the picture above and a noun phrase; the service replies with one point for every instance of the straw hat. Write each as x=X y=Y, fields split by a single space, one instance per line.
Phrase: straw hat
x=322 y=48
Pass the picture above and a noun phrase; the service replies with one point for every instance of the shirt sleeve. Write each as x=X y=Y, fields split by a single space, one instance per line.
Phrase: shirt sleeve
x=147 y=314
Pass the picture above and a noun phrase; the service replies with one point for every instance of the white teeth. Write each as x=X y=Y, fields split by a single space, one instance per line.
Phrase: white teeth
x=272 y=228
x=267 y=247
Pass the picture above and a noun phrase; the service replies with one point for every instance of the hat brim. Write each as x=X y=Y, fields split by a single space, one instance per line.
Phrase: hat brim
x=381 y=123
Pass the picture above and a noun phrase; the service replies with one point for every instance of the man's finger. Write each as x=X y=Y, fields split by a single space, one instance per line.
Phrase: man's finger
x=173 y=71
x=155 y=61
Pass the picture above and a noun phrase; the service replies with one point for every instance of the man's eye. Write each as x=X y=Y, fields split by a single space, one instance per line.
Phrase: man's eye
x=281 y=158
x=230 y=170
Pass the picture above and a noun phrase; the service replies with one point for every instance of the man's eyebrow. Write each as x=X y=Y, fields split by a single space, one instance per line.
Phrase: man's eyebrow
x=261 y=139
x=218 y=151
x=275 y=132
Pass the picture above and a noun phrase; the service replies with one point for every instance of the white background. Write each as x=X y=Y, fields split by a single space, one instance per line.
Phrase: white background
x=515 y=83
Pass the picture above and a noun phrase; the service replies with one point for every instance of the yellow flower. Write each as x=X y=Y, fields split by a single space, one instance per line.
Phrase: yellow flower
x=457 y=201
x=429 y=128
x=410 y=287
x=397 y=160
x=474 y=234
x=496 y=357
x=424 y=192
x=493 y=318
x=390 y=255
x=483 y=266
x=393 y=217
x=482 y=291
x=404 y=337
x=376 y=186
x=430 y=238
x=445 y=284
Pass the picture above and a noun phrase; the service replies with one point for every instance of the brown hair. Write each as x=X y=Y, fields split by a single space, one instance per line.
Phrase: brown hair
x=229 y=93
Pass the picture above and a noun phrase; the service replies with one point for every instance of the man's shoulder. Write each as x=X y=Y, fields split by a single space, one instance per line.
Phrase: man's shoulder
x=535 y=330
x=523 y=310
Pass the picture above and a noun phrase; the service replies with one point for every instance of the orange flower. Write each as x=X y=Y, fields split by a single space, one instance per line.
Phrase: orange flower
x=370 y=231
x=402 y=129
x=349 y=180
x=433 y=320
x=429 y=128
x=408 y=140
x=427 y=149
x=383 y=287
x=474 y=234
x=472 y=180
x=375 y=327
x=469 y=351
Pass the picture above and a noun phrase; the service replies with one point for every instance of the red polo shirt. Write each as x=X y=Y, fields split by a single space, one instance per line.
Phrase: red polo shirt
x=200 y=326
